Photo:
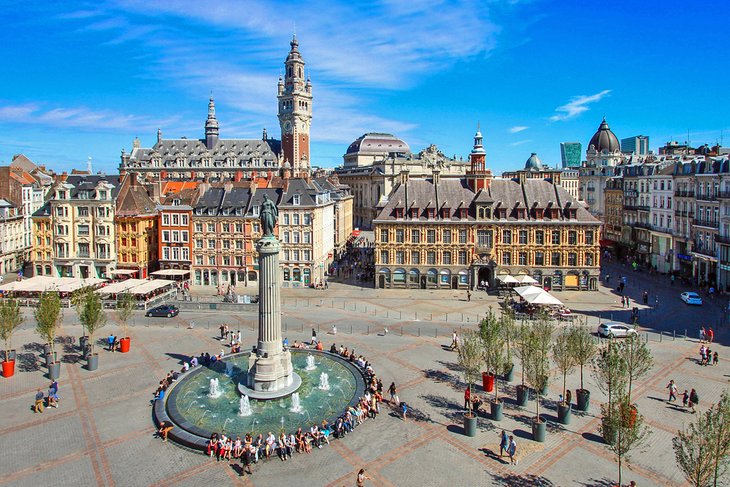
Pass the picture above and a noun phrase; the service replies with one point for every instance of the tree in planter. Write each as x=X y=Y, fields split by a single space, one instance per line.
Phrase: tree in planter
x=491 y=334
x=702 y=448
x=538 y=360
x=126 y=304
x=470 y=360
x=508 y=330
x=609 y=369
x=523 y=347
x=10 y=318
x=622 y=420
x=48 y=316
x=583 y=347
x=92 y=315
x=564 y=355
x=637 y=360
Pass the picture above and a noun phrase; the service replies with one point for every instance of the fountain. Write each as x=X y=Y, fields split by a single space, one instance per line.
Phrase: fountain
x=214 y=391
x=324 y=381
x=310 y=362
x=244 y=407
x=296 y=406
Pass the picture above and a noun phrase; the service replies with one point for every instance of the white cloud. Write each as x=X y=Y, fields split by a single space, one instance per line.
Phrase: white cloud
x=77 y=117
x=576 y=106
x=517 y=129
x=520 y=142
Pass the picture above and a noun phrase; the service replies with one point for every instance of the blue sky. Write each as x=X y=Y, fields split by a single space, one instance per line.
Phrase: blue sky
x=83 y=79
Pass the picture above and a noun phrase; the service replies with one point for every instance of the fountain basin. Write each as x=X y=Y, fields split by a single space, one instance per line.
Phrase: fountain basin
x=184 y=408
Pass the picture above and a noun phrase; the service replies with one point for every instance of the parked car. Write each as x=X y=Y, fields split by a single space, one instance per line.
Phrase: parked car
x=612 y=329
x=691 y=298
x=163 y=311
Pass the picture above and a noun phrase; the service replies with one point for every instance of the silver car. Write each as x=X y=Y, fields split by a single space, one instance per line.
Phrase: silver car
x=613 y=329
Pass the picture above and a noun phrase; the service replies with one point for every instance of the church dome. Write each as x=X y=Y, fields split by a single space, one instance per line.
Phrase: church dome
x=533 y=163
x=604 y=139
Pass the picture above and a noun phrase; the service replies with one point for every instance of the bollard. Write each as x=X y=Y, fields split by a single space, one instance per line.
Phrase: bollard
x=435 y=332
x=368 y=330
x=462 y=317
x=350 y=329
x=400 y=313
x=419 y=331
x=447 y=318
x=401 y=331
x=685 y=333
x=674 y=333
x=661 y=336
x=416 y=316
x=647 y=337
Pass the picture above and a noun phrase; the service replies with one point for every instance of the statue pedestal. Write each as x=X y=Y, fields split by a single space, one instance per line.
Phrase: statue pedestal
x=270 y=371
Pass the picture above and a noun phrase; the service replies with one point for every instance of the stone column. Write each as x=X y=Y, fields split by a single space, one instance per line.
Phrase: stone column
x=269 y=341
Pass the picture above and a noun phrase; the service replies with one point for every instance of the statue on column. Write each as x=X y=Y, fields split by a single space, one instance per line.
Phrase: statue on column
x=269 y=215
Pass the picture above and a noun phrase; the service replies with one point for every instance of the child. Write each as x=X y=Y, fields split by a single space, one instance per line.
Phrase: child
x=715 y=359
x=404 y=409
x=685 y=398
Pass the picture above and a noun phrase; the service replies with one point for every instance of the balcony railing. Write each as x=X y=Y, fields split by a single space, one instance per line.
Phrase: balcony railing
x=636 y=207
x=706 y=223
x=684 y=213
x=706 y=197
x=723 y=194
x=684 y=193
x=707 y=252
x=722 y=239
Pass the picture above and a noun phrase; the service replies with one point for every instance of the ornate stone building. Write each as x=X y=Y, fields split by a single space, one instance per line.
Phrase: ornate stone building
x=215 y=159
x=373 y=164
x=602 y=157
x=464 y=233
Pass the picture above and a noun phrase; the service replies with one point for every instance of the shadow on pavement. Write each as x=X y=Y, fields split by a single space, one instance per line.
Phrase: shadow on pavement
x=592 y=437
x=514 y=480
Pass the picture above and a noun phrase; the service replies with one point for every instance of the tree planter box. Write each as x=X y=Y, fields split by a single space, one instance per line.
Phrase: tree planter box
x=470 y=425
x=54 y=371
x=583 y=399
x=538 y=430
x=564 y=413
x=523 y=395
x=92 y=361
x=496 y=409
x=51 y=358
x=124 y=344
x=510 y=374
x=8 y=368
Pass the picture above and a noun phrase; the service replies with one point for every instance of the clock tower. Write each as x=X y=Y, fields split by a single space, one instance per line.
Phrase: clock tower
x=295 y=112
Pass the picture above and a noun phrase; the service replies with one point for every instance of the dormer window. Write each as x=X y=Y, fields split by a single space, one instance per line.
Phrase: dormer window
x=198 y=211
x=255 y=210
x=102 y=195
x=431 y=213
x=462 y=213
x=61 y=195
x=446 y=213
x=176 y=202
x=239 y=211
x=211 y=211
x=226 y=211
x=414 y=213
x=296 y=200
x=399 y=213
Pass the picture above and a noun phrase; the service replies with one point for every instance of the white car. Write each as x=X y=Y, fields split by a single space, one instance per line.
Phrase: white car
x=612 y=329
x=691 y=298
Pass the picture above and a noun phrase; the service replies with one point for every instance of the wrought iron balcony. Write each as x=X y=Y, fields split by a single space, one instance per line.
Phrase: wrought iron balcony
x=685 y=193
x=706 y=223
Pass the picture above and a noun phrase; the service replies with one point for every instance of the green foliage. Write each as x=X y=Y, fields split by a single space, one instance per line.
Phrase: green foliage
x=492 y=335
x=637 y=359
x=609 y=370
x=702 y=449
x=48 y=317
x=470 y=357
x=583 y=347
x=10 y=318
x=91 y=313
x=538 y=361
x=523 y=346
x=563 y=354
x=509 y=330
x=126 y=304
x=623 y=428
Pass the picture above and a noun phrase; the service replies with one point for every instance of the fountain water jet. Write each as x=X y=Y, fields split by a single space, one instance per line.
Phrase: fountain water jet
x=244 y=407
x=310 y=362
x=324 y=381
x=214 y=390
x=296 y=406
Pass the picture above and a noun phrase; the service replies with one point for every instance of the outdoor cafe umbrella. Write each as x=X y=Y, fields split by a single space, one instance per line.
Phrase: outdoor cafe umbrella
x=526 y=291
x=525 y=279
x=508 y=279
x=543 y=298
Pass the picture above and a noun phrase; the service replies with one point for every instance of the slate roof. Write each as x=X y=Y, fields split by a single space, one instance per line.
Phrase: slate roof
x=134 y=200
x=79 y=183
x=243 y=152
x=502 y=193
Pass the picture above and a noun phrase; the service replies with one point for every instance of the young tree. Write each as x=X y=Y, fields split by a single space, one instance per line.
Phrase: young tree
x=126 y=304
x=637 y=359
x=523 y=346
x=470 y=359
x=721 y=439
x=563 y=354
x=491 y=334
x=609 y=369
x=10 y=318
x=508 y=329
x=48 y=316
x=583 y=346
x=92 y=315
x=623 y=421
x=538 y=362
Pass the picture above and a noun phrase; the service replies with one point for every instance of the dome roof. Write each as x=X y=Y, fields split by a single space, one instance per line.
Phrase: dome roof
x=604 y=139
x=533 y=163
x=375 y=143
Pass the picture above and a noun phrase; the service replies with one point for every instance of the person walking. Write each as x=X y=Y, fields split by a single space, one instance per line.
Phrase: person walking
x=467 y=397
x=393 y=393
x=715 y=359
x=38 y=406
x=454 y=341
x=110 y=342
x=468 y=296
x=702 y=334
x=694 y=400
x=685 y=398
x=503 y=443
x=672 y=390
x=314 y=338
x=710 y=335
x=511 y=450
x=645 y=297
x=361 y=478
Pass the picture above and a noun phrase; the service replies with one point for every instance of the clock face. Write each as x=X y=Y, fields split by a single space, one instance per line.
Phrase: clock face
x=287 y=127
